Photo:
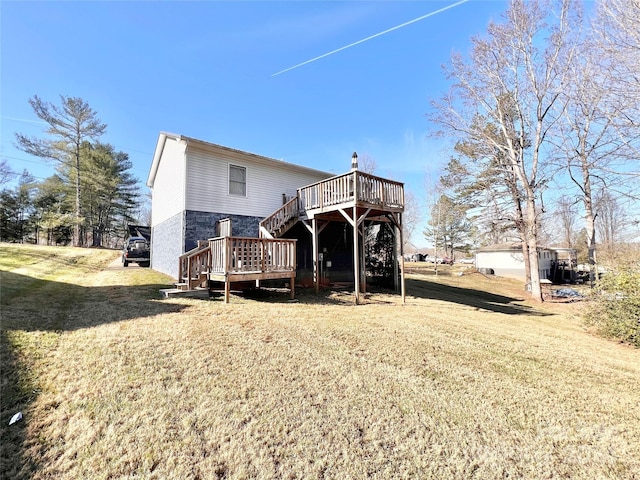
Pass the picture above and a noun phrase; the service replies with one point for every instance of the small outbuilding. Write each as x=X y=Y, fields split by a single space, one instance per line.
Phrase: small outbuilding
x=507 y=260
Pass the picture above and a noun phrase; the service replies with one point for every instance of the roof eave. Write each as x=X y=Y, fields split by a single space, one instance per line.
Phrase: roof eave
x=162 y=138
x=260 y=158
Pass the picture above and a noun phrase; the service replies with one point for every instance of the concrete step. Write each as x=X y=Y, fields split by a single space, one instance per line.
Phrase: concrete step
x=176 y=292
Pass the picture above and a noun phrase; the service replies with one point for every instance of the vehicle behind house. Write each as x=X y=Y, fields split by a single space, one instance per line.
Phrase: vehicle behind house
x=136 y=250
x=467 y=261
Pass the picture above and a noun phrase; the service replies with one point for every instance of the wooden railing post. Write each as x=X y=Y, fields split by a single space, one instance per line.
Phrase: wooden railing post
x=292 y=261
x=227 y=280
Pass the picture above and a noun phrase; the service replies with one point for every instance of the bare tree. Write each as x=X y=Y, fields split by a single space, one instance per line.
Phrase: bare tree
x=70 y=124
x=566 y=215
x=597 y=143
x=611 y=219
x=512 y=81
x=410 y=218
x=617 y=29
x=367 y=164
x=6 y=174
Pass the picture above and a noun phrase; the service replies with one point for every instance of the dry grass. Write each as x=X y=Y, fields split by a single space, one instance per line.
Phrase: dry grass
x=464 y=381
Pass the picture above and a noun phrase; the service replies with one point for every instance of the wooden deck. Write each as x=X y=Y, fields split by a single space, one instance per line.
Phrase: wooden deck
x=353 y=198
x=363 y=191
x=354 y=189
x=238 y=259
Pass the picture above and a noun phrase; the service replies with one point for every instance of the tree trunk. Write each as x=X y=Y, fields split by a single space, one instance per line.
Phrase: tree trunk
x=97 y=236
x=522 y=232
x=527 y=262
x=79 y=242
x=590 y=220
x=532 y=244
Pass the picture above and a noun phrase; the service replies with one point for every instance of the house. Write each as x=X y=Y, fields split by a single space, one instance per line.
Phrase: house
x=507 y=260
x=195 y=184
x=224 y=215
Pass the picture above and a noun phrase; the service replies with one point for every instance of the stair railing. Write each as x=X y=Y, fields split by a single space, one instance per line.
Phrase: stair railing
x=281 y=217
x=194 y=263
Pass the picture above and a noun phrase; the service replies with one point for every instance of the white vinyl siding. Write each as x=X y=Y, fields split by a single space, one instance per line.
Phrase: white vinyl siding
x=169 y=185
x=208 y=183
x=510 y=263
x=237 y=180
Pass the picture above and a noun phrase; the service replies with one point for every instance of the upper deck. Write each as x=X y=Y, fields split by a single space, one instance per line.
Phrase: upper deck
x=354 y=189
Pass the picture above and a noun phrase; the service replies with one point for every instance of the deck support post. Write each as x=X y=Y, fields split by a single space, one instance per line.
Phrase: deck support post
x=227 y=289
x=293 y=261
x=363 y=260
x=402 y=285
x=314 y=234
x=396 y=260
x=227 y=268
x=399 y=261
x=356 y=256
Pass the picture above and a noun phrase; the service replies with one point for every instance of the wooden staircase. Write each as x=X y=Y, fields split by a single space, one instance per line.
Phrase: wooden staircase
x=280 y=221
x=194 y=267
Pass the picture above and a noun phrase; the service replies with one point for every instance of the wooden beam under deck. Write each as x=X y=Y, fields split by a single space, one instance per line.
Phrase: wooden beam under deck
x=232 y=278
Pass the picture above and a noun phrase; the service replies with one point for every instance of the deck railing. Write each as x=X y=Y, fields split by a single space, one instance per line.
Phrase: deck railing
x=356 y=187
x=194 y=263
x=280 y=217
x=231 y=255
x=224 y=227
x=379 y=191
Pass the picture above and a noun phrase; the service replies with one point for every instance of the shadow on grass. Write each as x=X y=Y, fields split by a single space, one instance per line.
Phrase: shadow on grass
x=29 y=304
x=426 y=289
x=479 y=299
x=18 y=391
x=303 y=295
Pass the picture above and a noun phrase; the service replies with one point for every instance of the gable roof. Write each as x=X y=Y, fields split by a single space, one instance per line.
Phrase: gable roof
x=515 y=246
x=227 y=150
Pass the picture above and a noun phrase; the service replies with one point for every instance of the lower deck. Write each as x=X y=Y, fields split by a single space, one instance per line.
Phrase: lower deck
x=232 y=260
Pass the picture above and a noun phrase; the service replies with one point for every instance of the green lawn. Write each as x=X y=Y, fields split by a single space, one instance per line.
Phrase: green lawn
x=466 y=380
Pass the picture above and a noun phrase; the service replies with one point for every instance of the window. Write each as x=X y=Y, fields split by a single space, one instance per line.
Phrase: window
x=237 y=180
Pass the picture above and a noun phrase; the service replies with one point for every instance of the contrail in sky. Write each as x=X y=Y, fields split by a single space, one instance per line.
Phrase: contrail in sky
x=24 y=120
x=373 y=36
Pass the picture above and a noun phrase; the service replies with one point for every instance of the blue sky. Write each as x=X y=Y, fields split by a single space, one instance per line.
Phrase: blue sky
x=206 y=70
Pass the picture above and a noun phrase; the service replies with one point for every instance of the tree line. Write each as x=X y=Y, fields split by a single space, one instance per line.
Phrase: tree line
x=543 y=114
x=92 y=195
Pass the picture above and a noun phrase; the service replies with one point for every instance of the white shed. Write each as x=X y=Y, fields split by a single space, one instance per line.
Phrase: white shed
x=507 y=260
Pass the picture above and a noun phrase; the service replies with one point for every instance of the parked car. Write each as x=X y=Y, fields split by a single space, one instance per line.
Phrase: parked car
x=468 y=261
x=136 y=250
